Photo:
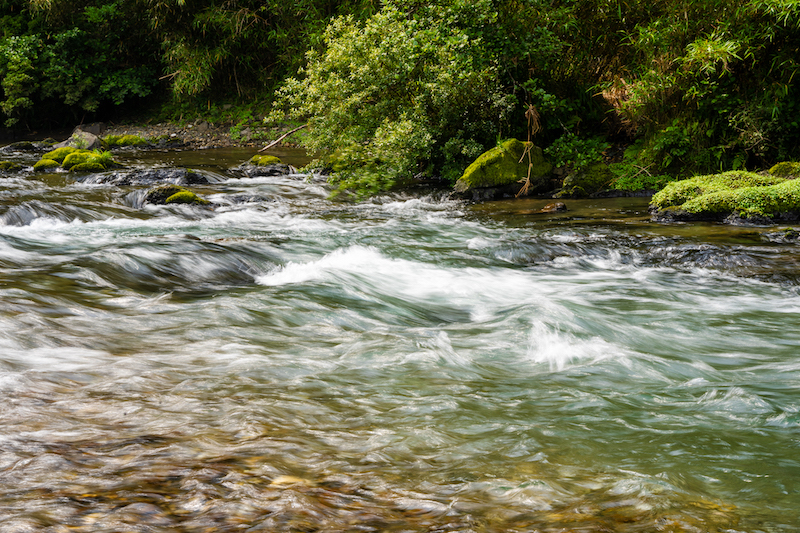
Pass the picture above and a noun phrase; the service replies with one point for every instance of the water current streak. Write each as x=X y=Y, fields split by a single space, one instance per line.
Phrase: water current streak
x=283 y=362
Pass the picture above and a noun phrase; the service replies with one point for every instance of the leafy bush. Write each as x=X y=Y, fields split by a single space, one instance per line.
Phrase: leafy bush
x=385 y=99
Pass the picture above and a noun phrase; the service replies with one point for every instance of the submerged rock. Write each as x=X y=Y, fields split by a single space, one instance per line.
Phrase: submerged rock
x=735 y=197
x=502 y=171
x=264 y=165
x=176 y=176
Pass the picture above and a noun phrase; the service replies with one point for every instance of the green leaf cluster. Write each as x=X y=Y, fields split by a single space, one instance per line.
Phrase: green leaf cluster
x=408 y=92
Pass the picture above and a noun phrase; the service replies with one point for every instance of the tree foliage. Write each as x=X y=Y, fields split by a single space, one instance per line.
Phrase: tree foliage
x=404 y=87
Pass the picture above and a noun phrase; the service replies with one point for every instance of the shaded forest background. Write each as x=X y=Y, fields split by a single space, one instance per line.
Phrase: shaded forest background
x=657 y=88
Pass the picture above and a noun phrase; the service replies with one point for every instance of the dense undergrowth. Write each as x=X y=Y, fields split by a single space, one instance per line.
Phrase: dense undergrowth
x=657 y=89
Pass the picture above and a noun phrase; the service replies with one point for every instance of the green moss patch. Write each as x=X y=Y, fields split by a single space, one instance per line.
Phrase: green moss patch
x=116 y=141
x=75 y=158
x=264 y=160
x=10 y=166
x=186 y=197
x=45 y=164
x=59 y=153
x=88 y=166
x=501 y=166
x=743 y=195
x=678 y=193
x=786 y=169
x=159 y=195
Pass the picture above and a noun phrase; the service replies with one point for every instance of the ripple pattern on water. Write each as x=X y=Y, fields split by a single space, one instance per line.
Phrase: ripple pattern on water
x=282 y=362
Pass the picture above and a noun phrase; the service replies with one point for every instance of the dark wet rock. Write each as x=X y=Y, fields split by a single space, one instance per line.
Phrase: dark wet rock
x=10 y=166
x=21 y=146
x=677 y=215
x=173 y=194
x=264 y=166
x=149 y=177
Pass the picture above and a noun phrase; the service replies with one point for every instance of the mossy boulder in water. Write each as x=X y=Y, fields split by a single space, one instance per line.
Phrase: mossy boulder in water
x=9 y=166
x=120 y=141
x=159 y=195
x=88 y=166
x=502 y=170
x=45 y=164
x=59 y=154
x=264 y=160
x=586 y=182
x=735 y=196
x=186 y=197
x=265 y=165
x=75 y=158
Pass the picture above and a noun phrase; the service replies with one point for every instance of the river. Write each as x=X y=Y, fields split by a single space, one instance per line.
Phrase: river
x=283 y=362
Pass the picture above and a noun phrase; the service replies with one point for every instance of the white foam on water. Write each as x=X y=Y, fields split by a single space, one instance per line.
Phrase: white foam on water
x=368 y=269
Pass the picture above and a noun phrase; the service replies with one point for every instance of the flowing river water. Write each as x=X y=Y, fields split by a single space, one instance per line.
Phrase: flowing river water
x=283 y=362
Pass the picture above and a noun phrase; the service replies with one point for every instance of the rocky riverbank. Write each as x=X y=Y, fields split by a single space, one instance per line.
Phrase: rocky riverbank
x=196 y=135
x=199 y=134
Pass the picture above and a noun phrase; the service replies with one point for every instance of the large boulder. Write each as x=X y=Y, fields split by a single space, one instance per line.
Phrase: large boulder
x=503 y=170
x=83 y=140
x=732 y=197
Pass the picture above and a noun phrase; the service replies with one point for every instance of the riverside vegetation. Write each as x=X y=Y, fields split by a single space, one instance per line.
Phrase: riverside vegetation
x=620 y=95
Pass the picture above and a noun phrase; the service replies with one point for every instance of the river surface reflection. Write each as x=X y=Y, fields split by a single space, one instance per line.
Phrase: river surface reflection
x=283 y=362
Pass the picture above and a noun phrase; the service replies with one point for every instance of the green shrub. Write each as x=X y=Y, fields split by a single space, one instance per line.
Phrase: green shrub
x=386 y=96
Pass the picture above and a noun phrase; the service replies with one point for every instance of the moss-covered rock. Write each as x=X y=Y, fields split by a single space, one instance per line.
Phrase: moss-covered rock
x=678 y=193
x=88 y=166
x=119 y=141
x=504 y=166
x=186 y=197
x=10 y=166
x=43 y=165
x=731 y=196
x=59 y=154
x=786 y=169
x=20 y=146
x=264 y=160
x=159 y=195
x=586 y=182
x=75 y=158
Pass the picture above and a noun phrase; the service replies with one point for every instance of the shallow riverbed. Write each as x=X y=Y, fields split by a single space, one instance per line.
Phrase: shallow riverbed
x=282 y=362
